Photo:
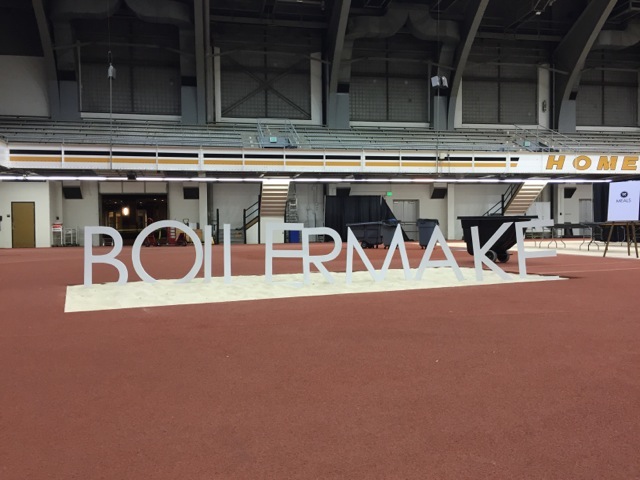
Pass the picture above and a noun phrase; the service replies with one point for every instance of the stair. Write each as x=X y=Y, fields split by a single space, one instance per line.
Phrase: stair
x=524 y=197
x=236 y=237
x=273 y=199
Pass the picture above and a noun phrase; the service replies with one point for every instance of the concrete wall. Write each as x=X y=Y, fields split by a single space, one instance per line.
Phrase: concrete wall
x=231 y=199
x=568 y=209
x=461 y=200
x=37 y=192
x=472 y=200
x=82 y=213
x=23 y=86
x=179 y=208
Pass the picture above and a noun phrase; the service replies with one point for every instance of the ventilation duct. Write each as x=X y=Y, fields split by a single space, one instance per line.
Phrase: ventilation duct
x=415 y=17
x=439 y=191
x=617 y=39
x=68 y=9
x=162 y=11
x=152 y=11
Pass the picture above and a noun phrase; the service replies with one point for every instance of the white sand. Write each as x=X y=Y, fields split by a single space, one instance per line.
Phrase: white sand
x=254 y=287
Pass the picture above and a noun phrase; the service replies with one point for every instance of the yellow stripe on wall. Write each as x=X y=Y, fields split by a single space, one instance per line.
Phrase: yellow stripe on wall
x=382 y=164
x=175 y=161
x=20 y=158
x=267 y=163
x=223 y=162
x=337 y=163
x=303 y=163
x=418 y=164
x=489 y=164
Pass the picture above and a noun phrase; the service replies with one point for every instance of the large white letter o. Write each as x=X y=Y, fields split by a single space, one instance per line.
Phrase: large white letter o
x=135 y=252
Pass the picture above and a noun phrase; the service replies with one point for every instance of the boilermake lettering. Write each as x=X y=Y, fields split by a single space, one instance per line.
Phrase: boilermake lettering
x=204 y=256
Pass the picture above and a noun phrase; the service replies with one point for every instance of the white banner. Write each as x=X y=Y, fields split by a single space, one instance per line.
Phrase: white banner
x=624 y=201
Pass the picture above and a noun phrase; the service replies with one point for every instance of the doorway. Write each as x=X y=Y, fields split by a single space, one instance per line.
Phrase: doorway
x=129 y=214
x=23 y=224
x=406 y=211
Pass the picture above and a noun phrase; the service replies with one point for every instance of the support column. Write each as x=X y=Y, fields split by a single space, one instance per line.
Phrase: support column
x=451 y=211
x=201 y=99
x=49 y=59
x=570 y=56
x=469 y=31
x=544 y=96
x=203 y=205
x=208 y=63
x=338 y=89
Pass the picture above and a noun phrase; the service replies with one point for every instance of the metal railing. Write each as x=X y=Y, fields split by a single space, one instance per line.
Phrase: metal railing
x=250 y=216
x=505 y=198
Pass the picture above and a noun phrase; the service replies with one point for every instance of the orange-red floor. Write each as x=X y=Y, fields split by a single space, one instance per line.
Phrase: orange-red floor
x=514 y=381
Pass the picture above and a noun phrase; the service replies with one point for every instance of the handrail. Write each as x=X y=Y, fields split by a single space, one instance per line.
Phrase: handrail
x=505 y=198
x=249 y=215
x=217 y=226
x=546 y=140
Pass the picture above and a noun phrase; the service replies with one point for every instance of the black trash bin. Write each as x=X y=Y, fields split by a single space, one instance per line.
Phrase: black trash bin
x=388 y=230
x=487 y=226
x=426 y=226
x=369 y=234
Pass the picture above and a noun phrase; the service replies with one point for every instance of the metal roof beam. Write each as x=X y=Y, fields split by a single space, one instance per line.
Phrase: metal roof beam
x=49 y=58
x=468 y=34
x=570 y=56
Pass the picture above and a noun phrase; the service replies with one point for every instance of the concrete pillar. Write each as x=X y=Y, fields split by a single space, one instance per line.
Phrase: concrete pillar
x=451 y=212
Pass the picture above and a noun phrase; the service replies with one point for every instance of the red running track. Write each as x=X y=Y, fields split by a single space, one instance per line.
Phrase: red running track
x=511 y=381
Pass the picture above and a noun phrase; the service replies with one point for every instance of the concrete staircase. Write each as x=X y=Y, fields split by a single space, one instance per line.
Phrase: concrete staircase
x=273 y=199
x=524 y=197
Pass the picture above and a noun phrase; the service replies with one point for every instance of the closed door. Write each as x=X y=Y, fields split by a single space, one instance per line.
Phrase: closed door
x=406 y=211
x=586 y=213
x=23 y=224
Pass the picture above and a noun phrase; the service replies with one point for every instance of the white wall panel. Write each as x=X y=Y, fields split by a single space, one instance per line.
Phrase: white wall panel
x=23 y=86
x=37 y=192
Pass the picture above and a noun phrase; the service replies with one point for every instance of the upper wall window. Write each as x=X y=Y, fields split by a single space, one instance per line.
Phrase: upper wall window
x=147 y=65
x=607 y=98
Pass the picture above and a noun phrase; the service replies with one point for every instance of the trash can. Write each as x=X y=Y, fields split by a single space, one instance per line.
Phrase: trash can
x=426 y=226
x=388 y=230
x=369 y=234
x=294 y=236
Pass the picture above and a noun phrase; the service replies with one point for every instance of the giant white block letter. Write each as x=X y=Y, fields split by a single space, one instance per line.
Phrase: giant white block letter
x=108 y=258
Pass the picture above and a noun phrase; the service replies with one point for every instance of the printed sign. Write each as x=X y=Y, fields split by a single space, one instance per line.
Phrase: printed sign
x=624 y=201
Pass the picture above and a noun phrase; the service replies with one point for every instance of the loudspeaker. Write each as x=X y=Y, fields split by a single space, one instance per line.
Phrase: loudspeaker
x=439 y=192
x=569 y=191
x=439 y=82
x=343 y=191
x=191 y=193
x=72 y=193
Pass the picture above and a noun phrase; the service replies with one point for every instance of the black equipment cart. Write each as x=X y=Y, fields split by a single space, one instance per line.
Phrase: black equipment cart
x=487 y=226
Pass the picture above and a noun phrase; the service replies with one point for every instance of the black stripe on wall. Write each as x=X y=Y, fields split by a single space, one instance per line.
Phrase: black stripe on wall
x=13 y=151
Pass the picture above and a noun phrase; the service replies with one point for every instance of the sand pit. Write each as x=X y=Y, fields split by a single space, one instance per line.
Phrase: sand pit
x=111 y=296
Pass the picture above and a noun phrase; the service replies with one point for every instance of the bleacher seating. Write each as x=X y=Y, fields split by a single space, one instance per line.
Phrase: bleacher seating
x=247 y=135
